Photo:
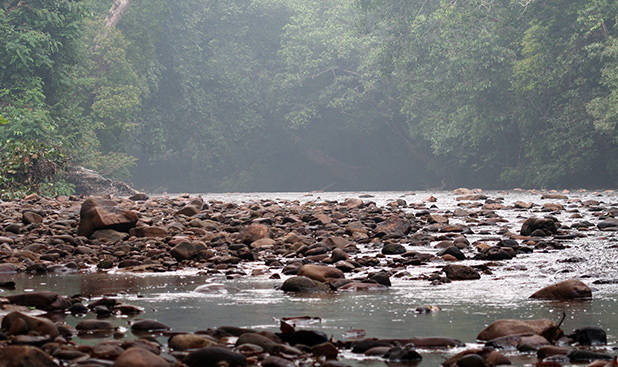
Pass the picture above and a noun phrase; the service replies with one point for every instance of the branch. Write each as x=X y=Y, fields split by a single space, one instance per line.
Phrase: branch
x=116 y=12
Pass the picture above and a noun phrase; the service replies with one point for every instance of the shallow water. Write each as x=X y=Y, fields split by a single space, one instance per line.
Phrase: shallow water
x=466 y=307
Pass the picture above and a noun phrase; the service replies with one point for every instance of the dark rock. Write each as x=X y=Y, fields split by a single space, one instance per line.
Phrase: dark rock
x=254 y=232
x=577 y=355
x=589 y=336
x=393 y=249
x=394 y=226
x=364 y=345
x=186 y=250
x=327 y=350
x=17 y=323
x=25 y=356
x=140 y=196
x=300 y=284
x=304 y=337
x=608 y=224
x=43 y=300
x=461 y=272
x=188 y=210
x=139 y=357
x=471 y=360
x=505 y=327
x=190 y=341
x=98 y=213
x=148 y=326
x=403 y=354
x=212 y=356
x=547 y=225
x=262 y=341
x=453 y=251
x=31 y=218
x=273 y=361
x=565 y=290
x=109 y=235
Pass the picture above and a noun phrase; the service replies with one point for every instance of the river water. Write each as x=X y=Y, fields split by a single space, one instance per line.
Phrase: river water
x=465 y=307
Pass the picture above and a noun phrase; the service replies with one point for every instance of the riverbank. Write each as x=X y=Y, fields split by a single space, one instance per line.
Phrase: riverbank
x=400 y=238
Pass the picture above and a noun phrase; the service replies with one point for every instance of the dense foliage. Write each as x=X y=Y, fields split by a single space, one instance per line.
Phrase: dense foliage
x=205 y=95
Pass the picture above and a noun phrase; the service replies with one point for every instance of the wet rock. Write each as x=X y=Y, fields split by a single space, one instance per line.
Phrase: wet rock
x=453 y=251
x=147 y=326
x=320 y=273
x=356 y=286
x=301 y=284
x=551 y=350
x=543 y=226
x=471 y=360
x=610 y=224
x=393 y=249
x=212 y=356
x=97 y=214
x=138 y=357
x=565 y=290
x=394 y=226
x=364 y=345
x=17 y=323
x=523 y=205
x=25 y=356
x=496 y=253
x=403 y=354
x=186 y=250
x=273 y=361
x=109 y=350
x=254 y=232
x=43 y=300
x=304 y=337
x=505 y=327
x=461 y=272
x=262 y=341
x=589 y=336
x=190 y=341
x=100 y=327
x=577 y=355
x=327 y=350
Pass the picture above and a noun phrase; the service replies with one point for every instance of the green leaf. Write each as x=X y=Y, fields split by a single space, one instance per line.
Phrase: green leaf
x=3 y=121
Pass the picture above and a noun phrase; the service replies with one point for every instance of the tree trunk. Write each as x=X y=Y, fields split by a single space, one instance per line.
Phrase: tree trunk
x=116 y=12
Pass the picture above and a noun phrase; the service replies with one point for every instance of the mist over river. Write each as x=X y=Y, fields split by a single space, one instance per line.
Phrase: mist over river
x=248 y=295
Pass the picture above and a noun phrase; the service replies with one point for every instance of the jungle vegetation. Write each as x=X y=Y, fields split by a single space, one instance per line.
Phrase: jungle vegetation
x=274 y=95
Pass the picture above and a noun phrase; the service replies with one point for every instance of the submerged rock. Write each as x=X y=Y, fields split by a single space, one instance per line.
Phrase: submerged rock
x=565 y=290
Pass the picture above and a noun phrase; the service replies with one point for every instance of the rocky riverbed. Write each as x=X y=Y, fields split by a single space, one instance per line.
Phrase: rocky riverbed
x=513 y=244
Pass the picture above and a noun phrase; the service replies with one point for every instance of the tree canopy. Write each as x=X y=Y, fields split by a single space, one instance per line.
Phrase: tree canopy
x=205 y=95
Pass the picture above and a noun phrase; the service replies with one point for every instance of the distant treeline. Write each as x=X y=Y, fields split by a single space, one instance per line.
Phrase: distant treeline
x=210 y=95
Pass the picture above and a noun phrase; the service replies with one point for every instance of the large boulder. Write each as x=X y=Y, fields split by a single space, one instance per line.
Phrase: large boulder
x=97 y=213
x=539 y=226
x=565 y=290
x=321 y=273
x=89 y=182
x=25 y=356
x=43 y=300
x=254 y=232
x=139 y=357
x=505 y=327
x=17 y=323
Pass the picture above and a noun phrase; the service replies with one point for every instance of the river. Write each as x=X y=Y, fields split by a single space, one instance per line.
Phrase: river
x=466 y=307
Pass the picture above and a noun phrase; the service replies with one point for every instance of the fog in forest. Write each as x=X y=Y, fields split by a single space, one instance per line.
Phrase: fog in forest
x=302 y=95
